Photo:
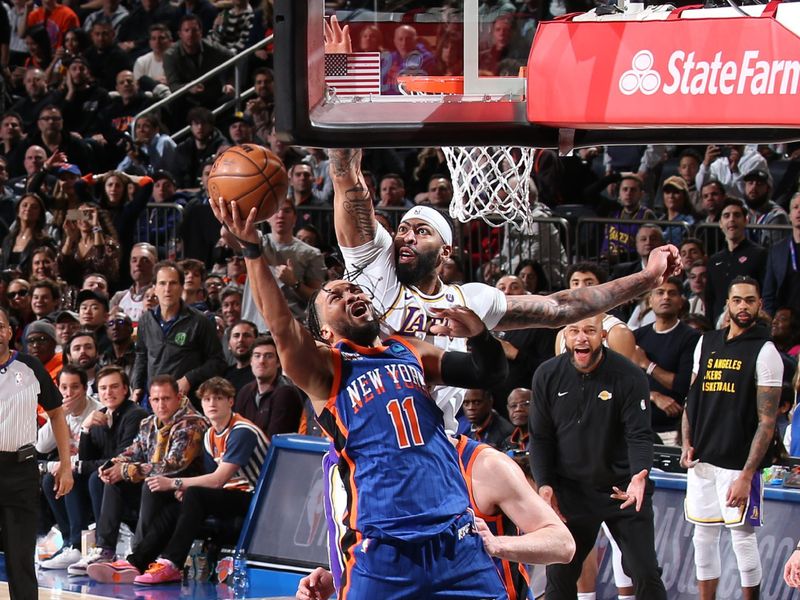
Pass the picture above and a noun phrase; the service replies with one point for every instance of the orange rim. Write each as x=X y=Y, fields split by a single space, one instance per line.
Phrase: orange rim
x=432 y=85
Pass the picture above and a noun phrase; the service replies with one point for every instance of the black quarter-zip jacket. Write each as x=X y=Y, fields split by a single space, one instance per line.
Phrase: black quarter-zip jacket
x=591 y=429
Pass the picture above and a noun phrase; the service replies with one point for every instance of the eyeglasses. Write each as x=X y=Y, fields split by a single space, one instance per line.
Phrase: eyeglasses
x=37 y=341
x=517 y=405
x=17 y=293
x=117 y=322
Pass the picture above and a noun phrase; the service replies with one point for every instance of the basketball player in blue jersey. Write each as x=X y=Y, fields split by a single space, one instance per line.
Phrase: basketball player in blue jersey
x=411 y=533
x=505 y=505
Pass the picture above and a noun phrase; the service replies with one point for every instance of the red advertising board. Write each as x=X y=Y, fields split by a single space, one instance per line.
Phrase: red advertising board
x=708 y=72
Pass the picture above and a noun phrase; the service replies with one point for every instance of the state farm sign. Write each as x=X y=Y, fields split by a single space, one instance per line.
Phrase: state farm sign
x=700 y=72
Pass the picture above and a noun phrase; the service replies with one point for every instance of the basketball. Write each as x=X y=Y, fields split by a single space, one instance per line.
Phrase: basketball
x=251 y=176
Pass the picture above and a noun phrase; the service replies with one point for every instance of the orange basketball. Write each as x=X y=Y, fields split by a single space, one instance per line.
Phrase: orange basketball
x=251 y=176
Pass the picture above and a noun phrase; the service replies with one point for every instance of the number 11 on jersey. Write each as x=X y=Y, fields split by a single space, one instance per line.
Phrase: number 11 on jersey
x=405 y=421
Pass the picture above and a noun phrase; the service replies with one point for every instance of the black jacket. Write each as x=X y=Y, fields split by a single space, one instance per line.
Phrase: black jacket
x=103 y=443
x=191 y=348
x=591 y=429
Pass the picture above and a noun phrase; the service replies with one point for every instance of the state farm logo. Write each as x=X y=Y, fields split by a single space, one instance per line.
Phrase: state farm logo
x=688 y=74
x=641 y=77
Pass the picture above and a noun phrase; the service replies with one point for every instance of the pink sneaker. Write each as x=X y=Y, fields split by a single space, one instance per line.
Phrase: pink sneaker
x=161 y=571
x=120 y=571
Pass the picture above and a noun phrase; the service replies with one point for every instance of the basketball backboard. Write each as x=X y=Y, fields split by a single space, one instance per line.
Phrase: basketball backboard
x=361 y=98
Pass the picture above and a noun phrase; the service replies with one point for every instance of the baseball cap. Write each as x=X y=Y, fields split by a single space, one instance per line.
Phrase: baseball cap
x=84 y=295
x=163 y=174
x=67 y=314
x=433 y=218
x=41 y=327
x=239 y=117
x=676 y=182
x=758 y=175
x=68 y=168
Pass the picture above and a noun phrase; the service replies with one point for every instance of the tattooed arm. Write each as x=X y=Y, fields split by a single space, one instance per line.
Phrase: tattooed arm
x=569 y=306
x=353 y=215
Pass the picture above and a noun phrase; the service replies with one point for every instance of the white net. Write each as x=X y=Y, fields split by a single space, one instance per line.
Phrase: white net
x=491 y=183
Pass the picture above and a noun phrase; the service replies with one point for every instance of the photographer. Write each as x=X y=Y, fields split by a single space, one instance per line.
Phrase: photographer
x=150 y=150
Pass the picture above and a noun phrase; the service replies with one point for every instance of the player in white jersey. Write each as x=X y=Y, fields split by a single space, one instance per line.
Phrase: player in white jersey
x=401 y=274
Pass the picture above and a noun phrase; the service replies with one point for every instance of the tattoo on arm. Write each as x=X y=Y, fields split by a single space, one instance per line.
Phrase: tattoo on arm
x=686 y=429
x=569 y=306
x=358 y=205
x=767 y=399
x=343 y=159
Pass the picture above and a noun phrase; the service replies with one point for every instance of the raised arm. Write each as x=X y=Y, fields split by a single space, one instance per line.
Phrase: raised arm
x=353 y=214
x=570 y=306
x=309 y=366
x=544 y=540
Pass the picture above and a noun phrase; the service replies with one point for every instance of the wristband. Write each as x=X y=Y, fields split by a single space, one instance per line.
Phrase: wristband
x=97 y=229
x=250 y=249
x=650 y=368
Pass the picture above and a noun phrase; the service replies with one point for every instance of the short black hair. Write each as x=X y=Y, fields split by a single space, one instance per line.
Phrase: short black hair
x=744 y=280
x=693 y=240
x=74 y=370
x=588 y=267
x=691 y=152
x=734 y=201
x=169 y=264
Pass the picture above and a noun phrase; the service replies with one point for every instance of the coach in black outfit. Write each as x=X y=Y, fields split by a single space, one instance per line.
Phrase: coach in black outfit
x=591 y=436
x=23 y=384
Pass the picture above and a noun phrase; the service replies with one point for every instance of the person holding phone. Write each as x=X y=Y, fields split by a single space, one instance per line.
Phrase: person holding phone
x=90 y=244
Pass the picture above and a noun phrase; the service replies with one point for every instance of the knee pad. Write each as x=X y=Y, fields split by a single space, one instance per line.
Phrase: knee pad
x=706 y=552
x=748 y=559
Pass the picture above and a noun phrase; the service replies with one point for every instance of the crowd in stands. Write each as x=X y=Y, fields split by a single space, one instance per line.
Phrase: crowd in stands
x=120 y=282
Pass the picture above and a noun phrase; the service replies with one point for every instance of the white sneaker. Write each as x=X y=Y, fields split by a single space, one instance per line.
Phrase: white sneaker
x=66 y=557
x=95 y=555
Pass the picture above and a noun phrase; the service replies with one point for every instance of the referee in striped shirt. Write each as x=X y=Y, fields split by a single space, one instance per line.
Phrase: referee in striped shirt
x=24 y=383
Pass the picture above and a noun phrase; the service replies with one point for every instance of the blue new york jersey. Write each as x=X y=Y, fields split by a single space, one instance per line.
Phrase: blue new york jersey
x=400 y=471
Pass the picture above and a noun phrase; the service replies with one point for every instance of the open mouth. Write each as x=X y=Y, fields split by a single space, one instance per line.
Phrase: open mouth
x=406 y=254
x=582 y=352
x=358 y=309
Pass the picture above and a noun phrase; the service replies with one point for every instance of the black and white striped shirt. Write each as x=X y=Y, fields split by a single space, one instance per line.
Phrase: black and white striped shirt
x=24 y=383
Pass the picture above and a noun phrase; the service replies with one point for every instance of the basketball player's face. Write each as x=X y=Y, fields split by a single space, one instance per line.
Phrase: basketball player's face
x=584 y=341
x=347 y=312
x=744 y=302
x=418 y=250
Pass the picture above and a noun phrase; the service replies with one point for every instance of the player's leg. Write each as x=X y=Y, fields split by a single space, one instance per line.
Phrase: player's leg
x=704 y=508
x=377 y=569
x=621 y=579
x=635 y=534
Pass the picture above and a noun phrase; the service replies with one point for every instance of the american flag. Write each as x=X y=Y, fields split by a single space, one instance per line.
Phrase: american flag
x=355 y=74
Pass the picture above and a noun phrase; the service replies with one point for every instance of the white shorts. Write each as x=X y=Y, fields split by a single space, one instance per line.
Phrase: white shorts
x=706 y=497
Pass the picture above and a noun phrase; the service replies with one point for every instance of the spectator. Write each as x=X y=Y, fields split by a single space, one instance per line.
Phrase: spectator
x=299 y=267
x=40 y=341
x=501 y=47
x=169 y=442
x=240 y=130
x=727 y=164
x=761 y=209
x=120 y=334
x=235 y=450
x=131 y=301
x=213 y=285
x=26 y=234
x=81 y=351
x=152 y=150
x=83 y=101
x=18 y=294
x=96 y=282
x=201 y=10
x=45 y=299
x=525 y=349
x=688 y=165
x=71 y=511
x=393 y=192
x=741 y=257
x=194 y=272
x=781 y=281
x=67 y=322
x=105 y=57
x=232 y=26
x=231 y=305
x=117 y=117
x=409 y=57
x=242 y=336
x=678 y=206
x=691 y=250
x=786 y=331
x=303 y=191
x=175 y=339
x=43 y=264
x=712 y=195
x=452 y=271
x=193 y=57
x=261 y=107
x=648 y=237
x=532 y=276
x=11 y=134
x=199 y=226
x=519 y=402
x=90 y=245
x=55 y=17
x=76 y=43
x=664 y=352
x=106 y=433
x=31 y=161
x=439 y=194
x=270 y=401
x=197 y=149
x=159 y=225
x=17 y=16
x=40 y=49
x=697 y=274
x=618 y=239
x=151 y=64
x=485 y=424
x=54 y=139
x=8 y=201
x=111 y=11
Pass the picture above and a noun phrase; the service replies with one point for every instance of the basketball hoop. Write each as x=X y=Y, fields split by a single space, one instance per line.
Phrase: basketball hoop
x=491 y=183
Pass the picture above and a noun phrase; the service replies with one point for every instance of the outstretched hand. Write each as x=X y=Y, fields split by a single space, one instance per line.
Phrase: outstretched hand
x=229 y=215
x=456 y=321
x=664 y=262
x=634 y=495
x=337 y=38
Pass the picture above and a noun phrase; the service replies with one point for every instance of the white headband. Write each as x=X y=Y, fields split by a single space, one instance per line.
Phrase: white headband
x=433 y=218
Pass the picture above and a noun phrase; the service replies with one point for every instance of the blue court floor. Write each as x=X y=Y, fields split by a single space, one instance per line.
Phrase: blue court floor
x=263 y=584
